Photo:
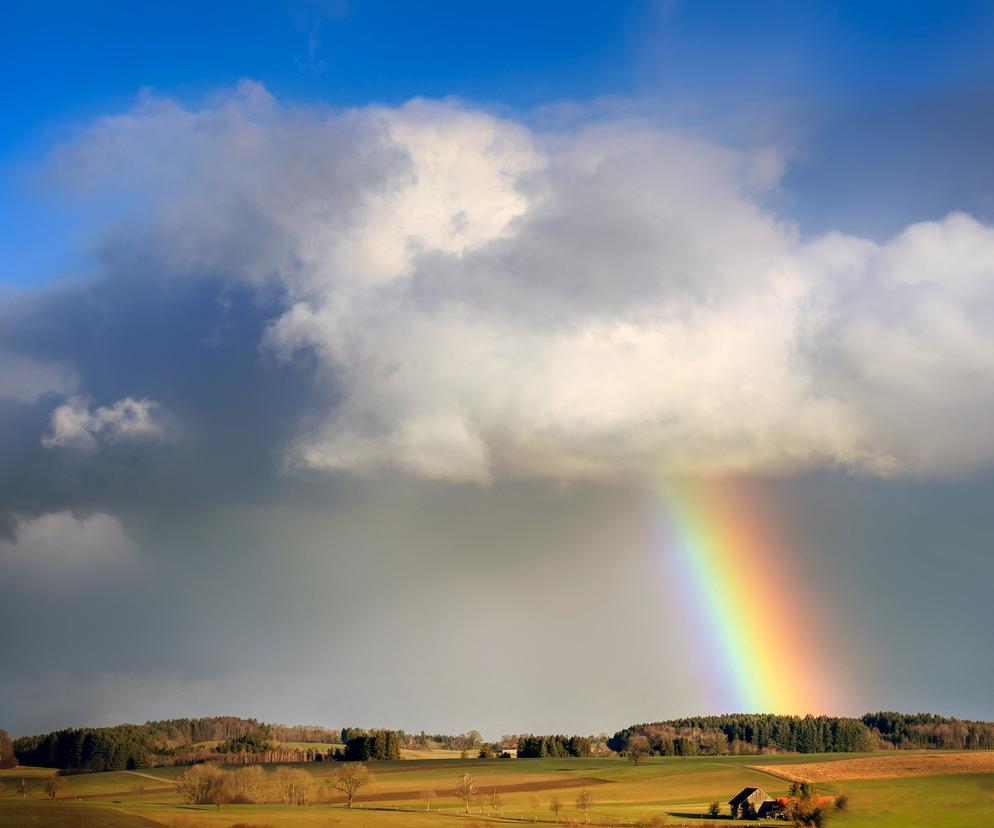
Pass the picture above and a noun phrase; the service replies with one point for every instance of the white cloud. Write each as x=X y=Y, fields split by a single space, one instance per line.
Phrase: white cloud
x=25 y=379
x=487 y=301
x=904 y=333
x=58 y=545
x=74 y=425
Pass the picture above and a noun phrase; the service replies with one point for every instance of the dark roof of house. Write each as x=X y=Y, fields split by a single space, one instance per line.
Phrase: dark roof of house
x=744 y=794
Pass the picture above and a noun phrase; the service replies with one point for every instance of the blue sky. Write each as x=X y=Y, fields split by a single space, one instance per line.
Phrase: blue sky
x=91 y=58
x=323 y=300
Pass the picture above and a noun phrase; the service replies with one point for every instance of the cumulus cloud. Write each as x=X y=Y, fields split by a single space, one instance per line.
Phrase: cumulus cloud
x=59 y=544
x=75 y=425
x=476 y=299
x=24 y=379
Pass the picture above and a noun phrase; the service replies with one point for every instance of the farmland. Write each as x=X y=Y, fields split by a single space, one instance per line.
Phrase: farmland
x=890 y=766
x=678 y=789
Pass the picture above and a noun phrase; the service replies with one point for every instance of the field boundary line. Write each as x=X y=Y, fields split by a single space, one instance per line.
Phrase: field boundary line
x=158 y=779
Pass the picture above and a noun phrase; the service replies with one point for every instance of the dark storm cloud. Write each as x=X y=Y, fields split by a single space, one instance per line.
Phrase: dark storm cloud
x=193 y=348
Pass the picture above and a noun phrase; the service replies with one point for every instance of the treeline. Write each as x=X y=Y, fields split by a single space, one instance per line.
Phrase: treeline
x=169 y=741
x=470 y=741
x=124 y=747
x=246 y=743
x=553 y=747
x=362 y=745
x=440 y=741
x=191 y=741
x=737 y=734
x=179 y=732
x=302 y=733
x=745 y=733
x=241 y=740
x=926 y=730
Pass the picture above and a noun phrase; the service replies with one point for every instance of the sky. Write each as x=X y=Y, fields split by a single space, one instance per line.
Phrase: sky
x=513 y=367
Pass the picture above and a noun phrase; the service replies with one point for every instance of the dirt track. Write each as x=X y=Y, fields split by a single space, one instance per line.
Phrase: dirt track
x=886 y=767
x=122 y=795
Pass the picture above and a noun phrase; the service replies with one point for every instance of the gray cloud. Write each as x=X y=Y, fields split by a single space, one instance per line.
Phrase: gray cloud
x=24 y=379
x=58 y=545
x=76 y=426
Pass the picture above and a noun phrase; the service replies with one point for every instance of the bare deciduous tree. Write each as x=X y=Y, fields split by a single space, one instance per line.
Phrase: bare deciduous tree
x=583 y=802
x=204 y=785
x=350 y=777
x=466 y=789
x=535 y=803
x=637 y=748
x=555 y=805
x=247 y=785
x=427 y=795
x=23 y=786
x=8 y=759
x=295 y=786
x=54 y=784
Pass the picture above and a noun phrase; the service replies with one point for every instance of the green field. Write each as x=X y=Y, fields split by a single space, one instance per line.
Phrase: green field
x=678 y=789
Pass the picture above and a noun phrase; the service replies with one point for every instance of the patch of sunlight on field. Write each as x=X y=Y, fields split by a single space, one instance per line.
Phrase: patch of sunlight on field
x=935 y=801
x=59 y=814
x=11 y=775
x=893 y=765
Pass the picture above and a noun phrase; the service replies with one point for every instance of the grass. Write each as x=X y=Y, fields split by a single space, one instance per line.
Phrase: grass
x=935 y=801
x=677 y=788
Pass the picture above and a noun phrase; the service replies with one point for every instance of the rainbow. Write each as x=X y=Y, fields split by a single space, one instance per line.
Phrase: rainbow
x=753 y=614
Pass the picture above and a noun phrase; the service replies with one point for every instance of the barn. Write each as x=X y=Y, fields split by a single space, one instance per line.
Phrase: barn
x=756 y=799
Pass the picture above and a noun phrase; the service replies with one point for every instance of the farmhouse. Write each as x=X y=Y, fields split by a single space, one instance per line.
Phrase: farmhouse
x=754 y=800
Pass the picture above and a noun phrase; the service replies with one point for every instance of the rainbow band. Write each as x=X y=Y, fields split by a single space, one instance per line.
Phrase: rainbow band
x=739 y=573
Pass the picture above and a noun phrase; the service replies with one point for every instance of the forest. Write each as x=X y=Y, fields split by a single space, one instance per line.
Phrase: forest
x=172 y=741
x=754 y=733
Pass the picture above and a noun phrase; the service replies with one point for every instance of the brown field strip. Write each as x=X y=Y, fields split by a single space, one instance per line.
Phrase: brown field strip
x=450 y=793
x=414 y=766
x=885 y=767
x=385 y=796
x=128 y=794
x=67 y=816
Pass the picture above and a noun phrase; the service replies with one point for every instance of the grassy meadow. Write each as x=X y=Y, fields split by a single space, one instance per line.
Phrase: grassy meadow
x=677 y=789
